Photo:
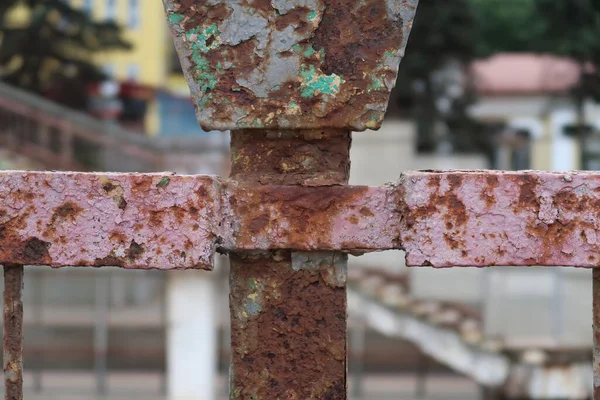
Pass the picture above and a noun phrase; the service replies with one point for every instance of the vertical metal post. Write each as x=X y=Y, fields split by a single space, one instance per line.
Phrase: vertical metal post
x=101 y=331
x=596 y=299
x=13 y=332
x=38 y=317
x=288 y=310
x=164 y=322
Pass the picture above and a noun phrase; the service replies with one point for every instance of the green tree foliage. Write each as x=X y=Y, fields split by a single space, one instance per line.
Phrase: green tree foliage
x=507 y=26
x=51 y=51
x=572 y=29
x=444 y=33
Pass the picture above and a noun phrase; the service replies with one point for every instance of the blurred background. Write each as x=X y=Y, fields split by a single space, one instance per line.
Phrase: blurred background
x=503 y=84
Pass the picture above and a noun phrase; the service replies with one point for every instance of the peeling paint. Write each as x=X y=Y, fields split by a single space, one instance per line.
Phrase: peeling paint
x=457 y=218
x=333 y=60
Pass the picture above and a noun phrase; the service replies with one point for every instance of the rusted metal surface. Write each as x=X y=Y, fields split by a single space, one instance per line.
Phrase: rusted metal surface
x=13 y=331
x=460 y=218
x=288 y=308
x=289 y=158
x=129 y=220
x=288 y=328
x=290 y=64
x=349 y=218
x=484 y=218
x=596 y=312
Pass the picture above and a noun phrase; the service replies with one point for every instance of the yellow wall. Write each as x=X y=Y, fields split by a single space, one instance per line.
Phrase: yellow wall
x=151 y=42
x=151 y=50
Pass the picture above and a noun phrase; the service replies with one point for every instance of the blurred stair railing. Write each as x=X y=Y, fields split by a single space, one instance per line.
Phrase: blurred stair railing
x=63 y=139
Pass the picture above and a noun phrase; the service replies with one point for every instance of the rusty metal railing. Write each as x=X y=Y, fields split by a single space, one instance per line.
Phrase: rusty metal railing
x=63 y=139
x=291 y=79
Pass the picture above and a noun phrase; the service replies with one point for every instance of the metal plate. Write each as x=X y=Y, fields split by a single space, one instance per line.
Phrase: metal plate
x=290 y=64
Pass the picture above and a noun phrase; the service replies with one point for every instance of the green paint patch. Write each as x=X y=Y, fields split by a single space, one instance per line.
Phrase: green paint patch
x=257 y=123
x=306 y=51
x=164 y=182
x=312 y=16
x=374 y=120
x=309 y=51
x=376 y=84
x=175 y=18
x=315 y=83
x=202 y=41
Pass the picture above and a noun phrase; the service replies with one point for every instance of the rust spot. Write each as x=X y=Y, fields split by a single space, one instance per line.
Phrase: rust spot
x=66 y=212
x=456 y=210
x=452 y=243
x=487 y=194
x=117 y=237
x=353 y=219
x=528 y=185
x=259 y=223
x=364 y=211
x=155 y=218
x=35 y=251
x=354 y=40
x=109 y=261
x=116 y=192
x=202 y=192
x=134 y=251
x=141 y=184
x=454 y=180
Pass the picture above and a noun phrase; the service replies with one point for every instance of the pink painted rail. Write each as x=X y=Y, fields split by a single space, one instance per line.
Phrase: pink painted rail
x=291 y=79
x=167 y=221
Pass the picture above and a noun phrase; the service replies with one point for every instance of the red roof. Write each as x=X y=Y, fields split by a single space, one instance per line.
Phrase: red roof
x=524 y=73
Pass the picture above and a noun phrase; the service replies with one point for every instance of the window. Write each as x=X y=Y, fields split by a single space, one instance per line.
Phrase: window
x=87 y=6
x=111 y=9
x=133 y=72
x=109 y=70
x=134 y=14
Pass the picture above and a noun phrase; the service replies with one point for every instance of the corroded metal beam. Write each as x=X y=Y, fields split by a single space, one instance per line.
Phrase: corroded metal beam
x=288 y=308
x=128 y=220
x=484 y=218
x=596 y=325
x=13 y=332
x=460 y=218
x=290 y=64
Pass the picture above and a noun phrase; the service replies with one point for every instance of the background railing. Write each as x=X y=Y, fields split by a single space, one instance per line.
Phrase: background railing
x=63 y=139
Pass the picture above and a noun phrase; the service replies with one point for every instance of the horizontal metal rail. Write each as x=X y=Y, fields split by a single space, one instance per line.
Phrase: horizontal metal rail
x=166 y=221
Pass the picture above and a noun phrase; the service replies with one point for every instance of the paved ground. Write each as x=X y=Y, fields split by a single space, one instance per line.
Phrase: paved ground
x=80 y=386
